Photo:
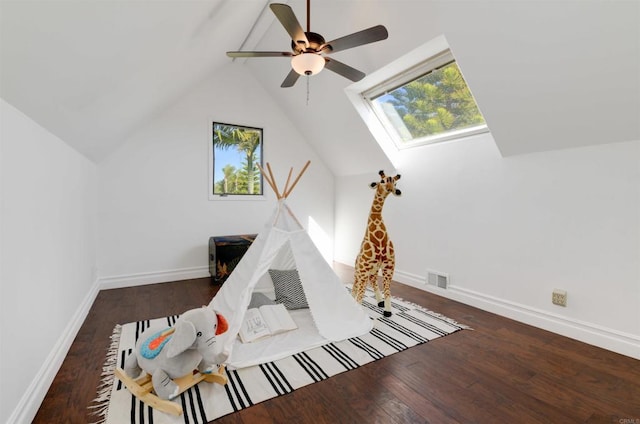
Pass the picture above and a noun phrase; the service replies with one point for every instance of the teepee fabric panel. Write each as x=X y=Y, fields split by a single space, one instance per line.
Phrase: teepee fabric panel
x=333 y=314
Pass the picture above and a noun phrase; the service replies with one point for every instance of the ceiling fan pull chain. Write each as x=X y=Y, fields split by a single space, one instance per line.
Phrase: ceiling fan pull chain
x=308 y=90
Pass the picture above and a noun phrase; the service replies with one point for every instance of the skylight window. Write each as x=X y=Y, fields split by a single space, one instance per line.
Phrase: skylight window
x=427 y=103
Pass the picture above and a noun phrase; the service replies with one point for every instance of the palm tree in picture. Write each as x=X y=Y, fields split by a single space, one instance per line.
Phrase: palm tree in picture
x=229 y=171
x=245 y=140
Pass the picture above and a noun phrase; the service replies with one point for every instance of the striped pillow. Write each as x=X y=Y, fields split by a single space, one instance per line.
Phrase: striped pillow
x=288 y=288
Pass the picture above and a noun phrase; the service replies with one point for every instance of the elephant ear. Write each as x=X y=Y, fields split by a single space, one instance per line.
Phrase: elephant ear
x=223 y=325
x=182 y=339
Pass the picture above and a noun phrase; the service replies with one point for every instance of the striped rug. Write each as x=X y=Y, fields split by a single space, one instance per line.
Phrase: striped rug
x=410 y=325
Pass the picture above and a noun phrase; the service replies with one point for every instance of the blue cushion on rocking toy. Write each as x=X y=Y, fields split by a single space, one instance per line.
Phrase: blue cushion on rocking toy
x=152 y=347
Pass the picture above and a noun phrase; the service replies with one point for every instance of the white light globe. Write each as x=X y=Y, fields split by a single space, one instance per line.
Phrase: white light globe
x=307 y=63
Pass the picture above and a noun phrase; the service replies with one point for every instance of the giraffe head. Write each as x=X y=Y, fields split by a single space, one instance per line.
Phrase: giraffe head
x=386 y=185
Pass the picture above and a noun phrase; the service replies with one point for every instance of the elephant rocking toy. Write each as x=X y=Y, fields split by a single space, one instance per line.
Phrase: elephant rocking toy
x=174 y=359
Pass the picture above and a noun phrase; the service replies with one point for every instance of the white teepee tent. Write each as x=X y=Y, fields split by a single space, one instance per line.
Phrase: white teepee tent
x=284 y=244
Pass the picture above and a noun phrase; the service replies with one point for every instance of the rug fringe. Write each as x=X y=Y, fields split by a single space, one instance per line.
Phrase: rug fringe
x=435 y=314
x=100 y=405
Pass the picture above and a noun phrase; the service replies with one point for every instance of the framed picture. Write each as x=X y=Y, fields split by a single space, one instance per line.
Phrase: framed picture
x=235 y=151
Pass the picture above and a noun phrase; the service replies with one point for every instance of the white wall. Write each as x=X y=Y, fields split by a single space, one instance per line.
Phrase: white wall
x=48 y=254
x=510 y=230
x=154 y=213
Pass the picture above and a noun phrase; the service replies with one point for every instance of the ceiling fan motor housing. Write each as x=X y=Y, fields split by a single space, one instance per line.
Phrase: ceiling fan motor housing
x=316 y=42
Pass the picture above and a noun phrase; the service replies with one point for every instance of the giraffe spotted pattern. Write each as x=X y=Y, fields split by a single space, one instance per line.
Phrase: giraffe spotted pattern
x=376 y=252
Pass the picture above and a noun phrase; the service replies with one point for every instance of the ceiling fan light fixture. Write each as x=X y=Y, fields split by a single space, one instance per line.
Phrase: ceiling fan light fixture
x=307 y=63
x=309 y=48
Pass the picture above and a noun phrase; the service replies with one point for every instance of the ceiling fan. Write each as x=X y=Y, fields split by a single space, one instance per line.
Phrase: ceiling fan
x=309 y=49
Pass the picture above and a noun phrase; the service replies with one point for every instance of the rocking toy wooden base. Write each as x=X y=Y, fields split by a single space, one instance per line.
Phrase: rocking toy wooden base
x=143 y=389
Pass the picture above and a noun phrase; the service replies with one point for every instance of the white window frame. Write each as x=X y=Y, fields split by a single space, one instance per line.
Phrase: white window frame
x=430 y=56
x=211 y=164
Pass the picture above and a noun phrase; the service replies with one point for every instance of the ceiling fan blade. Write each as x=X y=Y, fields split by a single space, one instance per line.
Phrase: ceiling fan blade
x=290 y=80
x=288 y=19
x=259 y=54
x=366 y=36
x=344 y=70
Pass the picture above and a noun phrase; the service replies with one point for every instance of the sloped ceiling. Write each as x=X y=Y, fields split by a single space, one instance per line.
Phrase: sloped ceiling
x=92 y=72
x=546 y=75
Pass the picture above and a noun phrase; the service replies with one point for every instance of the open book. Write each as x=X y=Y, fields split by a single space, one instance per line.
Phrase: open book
x=267 y=320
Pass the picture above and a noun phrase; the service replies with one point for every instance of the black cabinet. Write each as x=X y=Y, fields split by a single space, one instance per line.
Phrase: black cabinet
x=224 y=254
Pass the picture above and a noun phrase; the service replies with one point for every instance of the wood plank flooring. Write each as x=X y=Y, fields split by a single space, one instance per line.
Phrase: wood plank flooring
x=501 y=372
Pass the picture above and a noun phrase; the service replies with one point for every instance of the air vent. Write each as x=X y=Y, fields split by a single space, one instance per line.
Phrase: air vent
x=437 y=279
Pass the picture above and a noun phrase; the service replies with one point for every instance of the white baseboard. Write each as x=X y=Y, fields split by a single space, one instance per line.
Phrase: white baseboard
x=143 y=278
x=30 y=401
x=28 y=405
x=593 y=334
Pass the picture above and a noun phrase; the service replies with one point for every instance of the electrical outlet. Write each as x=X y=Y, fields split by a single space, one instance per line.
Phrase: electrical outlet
x=559 y=297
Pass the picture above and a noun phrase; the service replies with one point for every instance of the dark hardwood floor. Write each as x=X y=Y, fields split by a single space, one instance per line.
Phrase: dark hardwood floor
x=501 y=372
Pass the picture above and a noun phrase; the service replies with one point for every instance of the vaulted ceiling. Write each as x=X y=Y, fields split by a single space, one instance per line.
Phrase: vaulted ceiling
x=546 y=75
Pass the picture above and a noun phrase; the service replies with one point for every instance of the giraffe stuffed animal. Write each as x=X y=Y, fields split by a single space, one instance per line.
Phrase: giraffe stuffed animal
x=376 y=252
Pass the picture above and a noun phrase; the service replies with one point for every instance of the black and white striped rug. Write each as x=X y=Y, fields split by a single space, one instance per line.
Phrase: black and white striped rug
x=410 y=325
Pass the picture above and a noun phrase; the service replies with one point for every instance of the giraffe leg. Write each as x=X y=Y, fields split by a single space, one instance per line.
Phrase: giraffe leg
x=363 y=267
x=387 y=297
x=387 y=275
x=357 y=278
x=373 y=281
x=387 y=293
x=356 y=283
x=361 y=288
x=360 y=284
x=376 y=288
x=357 y=291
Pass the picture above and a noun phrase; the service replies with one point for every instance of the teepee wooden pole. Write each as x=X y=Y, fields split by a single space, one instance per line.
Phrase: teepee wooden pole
x=275 y=186
x=272 y=182
x=297 y=178
x=266 y=177
x=286 y=186
x=293 y=216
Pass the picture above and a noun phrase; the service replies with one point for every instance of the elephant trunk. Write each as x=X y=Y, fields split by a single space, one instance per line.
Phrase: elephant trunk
x=211 y=354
